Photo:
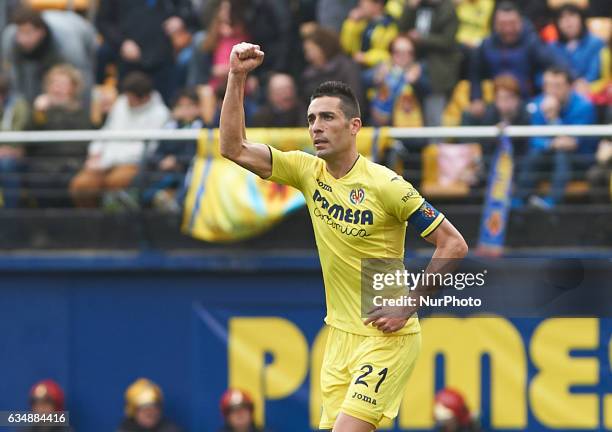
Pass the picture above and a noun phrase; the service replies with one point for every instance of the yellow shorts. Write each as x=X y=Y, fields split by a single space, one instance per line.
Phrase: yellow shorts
x=365 y=376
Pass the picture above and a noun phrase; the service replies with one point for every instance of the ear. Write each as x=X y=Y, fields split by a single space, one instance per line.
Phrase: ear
x=355 y=125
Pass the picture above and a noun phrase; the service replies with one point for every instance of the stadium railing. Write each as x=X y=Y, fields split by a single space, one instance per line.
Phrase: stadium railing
x=406 y=156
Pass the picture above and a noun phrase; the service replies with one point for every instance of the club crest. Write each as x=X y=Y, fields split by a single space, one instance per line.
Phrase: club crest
x=357 y=196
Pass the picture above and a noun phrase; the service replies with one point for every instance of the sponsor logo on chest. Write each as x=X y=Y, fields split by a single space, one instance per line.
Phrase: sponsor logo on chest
x=340 y=213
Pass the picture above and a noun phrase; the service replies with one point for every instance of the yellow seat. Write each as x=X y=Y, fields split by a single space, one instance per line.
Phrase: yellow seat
x=430 y=183
x=460 y=101
x=78 y=5
x=573 y=189
x=554 y=4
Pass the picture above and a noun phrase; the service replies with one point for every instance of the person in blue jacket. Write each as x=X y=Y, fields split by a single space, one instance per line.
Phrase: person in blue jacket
x=555 y=156
x=577 y=46
x=513 y=48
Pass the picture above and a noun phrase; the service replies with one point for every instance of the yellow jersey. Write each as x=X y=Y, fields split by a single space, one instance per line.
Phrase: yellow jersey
x=361 y=215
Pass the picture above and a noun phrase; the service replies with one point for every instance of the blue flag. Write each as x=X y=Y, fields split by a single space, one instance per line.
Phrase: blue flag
x=497 y=201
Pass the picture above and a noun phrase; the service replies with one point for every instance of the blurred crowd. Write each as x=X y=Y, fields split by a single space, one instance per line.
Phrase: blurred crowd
x=150 y=64
x=144 y=410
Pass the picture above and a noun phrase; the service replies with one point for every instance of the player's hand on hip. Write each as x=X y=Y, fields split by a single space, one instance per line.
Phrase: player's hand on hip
x=245 y=57
x=389 y=319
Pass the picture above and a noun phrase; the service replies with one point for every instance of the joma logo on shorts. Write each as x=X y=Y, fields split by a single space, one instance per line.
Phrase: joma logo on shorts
x=364 y=398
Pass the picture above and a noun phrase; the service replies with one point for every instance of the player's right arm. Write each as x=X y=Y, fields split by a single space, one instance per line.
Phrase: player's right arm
x=232 y=136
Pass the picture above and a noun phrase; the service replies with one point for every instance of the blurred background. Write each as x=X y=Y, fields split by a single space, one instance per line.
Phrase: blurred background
x=148 y=285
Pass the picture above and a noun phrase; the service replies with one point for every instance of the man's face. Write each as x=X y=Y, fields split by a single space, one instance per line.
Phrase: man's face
x=570 y=25
x=330 y=131
x=281 y=93
x=148 y=416
x=29 y=37
x=370 y=8
x=135 y=101
x=506 y=102
x=403 y=52
x=508 y=25
x=240 y=418
x=185 y=110
x=313 y=53
x=60 y=88
x=556 y=85
x=43 y=406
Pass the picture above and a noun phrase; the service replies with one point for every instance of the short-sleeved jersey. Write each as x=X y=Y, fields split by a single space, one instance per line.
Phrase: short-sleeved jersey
x=361 y=215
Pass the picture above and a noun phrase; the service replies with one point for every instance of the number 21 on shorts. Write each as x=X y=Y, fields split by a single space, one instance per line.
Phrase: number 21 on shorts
x=367 y=370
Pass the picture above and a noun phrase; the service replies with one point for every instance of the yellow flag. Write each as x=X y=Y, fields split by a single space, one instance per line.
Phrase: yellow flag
x=225 y=202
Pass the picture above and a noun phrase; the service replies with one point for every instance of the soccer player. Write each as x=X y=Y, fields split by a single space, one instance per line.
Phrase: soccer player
x=359 y=210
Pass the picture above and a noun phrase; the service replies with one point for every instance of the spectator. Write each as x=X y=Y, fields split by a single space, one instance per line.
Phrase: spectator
x=50 y=166
x=283 y=107
x=275 y=36
x=558 y=105
x=537 y=13
x=332 y=13
x=237 y=410
x=367 y=33
x=14 y=116
x=227 y=29
x=37 y=42
x=144 y=409
x=474 y=25
x=138 y=35
x=112 y=165
x=164 y=173
x=474 y=21
x=508 y=108
x=451 y=413
x=513 y=48
x=399 y=84
x=327 y=62
x=47 y=397
x=433 y=24
x=578 y=47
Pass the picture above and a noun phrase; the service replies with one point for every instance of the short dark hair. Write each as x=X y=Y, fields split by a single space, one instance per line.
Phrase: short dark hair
x=26 y=15
x=187 y=93
x=348 y=101
x=574 y=10
x=327 y=40
x=559 y=70
x=507 y=6
x=137 y=83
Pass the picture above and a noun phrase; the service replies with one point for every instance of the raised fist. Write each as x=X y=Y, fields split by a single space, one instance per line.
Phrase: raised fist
x=245 y=57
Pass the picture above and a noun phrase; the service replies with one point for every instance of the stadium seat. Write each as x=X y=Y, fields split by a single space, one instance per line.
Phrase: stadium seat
x=433 y=184
x=460 y=101
x=554 y=4
x=78 y=5
x=574 y=189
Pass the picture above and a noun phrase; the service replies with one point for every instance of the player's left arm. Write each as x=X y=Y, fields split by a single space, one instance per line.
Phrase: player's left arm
x=434 y=228
x=448 y=241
